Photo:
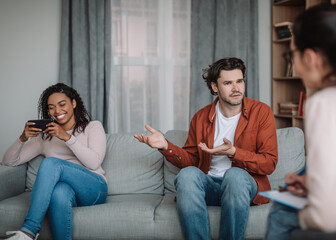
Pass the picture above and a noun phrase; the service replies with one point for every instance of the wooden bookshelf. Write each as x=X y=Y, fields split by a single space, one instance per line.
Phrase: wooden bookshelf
x=286 y=87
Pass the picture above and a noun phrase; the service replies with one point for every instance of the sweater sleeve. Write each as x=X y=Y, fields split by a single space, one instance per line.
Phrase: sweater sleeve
x=262 y=161
x=92 y=155
x=22 y=152
x=320 y=130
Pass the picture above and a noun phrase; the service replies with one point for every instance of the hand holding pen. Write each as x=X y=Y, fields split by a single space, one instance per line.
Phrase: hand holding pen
x=295 y=183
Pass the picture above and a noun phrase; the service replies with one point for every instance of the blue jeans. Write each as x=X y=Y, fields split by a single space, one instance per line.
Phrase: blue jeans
x=61 y=185
x=282 y=222
x=234 y=193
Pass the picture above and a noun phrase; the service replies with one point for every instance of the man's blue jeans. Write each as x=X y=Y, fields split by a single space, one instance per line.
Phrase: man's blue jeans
x=234 y=193
x=59 y=186
x=282 y=222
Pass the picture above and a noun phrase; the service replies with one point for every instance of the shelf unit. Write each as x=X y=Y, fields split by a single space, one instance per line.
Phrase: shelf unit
x=286 y=88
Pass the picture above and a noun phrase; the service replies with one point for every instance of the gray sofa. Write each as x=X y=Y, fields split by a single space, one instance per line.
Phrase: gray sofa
x=140 y=204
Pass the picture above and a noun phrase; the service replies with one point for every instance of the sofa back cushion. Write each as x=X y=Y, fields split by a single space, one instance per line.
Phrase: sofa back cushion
x=291 y=156
x=32 y=170
x=130 y=166
x=178 y=138
x=133 y=167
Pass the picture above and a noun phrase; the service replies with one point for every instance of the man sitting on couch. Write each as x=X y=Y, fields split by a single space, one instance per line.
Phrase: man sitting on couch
x=231 y=147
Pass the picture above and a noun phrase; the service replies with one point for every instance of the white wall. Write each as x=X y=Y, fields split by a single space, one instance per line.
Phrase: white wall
x=265 y=64
x=29 y=61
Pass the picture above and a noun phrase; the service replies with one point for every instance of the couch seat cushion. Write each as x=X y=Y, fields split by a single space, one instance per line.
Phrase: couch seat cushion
x=13 y=212
x=121 y=217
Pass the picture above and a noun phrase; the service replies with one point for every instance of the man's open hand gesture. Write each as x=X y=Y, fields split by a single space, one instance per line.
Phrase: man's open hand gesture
x=156 y=140
x=225 y=149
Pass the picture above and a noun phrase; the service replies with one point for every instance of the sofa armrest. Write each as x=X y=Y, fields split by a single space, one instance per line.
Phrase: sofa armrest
x=12 y=180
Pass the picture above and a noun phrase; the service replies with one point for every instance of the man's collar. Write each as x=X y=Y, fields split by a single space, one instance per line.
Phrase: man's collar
x=213 y=110
x=246 y=107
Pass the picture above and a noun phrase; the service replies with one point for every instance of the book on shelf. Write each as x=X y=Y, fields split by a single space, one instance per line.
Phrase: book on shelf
x=302 y=101
x=288 y=57
x=288 y=108
x=289 y=68
x=283 y=29
x=303 y=104
x=294 y=72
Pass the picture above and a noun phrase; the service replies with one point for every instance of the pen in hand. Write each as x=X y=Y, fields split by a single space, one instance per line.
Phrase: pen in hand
x=284 y=187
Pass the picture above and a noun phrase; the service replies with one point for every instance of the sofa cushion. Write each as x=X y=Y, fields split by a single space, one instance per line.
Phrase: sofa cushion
x=177 y=137
x=121 y=217
x=13 y=212
x=33 y=166
x=167 y=219
x=12 y=180
x=131 y=166
x=291 y=155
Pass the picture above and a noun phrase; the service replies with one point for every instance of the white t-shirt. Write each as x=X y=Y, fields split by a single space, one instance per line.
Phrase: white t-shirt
x=224 y=127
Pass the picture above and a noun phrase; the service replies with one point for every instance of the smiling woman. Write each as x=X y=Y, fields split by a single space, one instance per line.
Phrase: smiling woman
x=71 y=174
x=61 y=108
x=64 y=105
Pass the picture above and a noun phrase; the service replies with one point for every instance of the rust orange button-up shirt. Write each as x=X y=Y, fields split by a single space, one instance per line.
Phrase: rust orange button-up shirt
x=255 y=141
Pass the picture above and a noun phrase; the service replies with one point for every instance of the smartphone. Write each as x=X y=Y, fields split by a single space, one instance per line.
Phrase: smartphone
x=41 y=123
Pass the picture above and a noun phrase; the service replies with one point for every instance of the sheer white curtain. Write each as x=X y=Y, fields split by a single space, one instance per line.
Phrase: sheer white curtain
x=150 y=74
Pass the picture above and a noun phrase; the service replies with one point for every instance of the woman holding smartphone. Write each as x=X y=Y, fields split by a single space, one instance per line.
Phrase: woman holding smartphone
x=314 y=51
x=71 y=174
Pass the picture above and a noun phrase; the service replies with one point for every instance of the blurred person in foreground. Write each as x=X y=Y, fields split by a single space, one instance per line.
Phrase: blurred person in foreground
x=313 y=48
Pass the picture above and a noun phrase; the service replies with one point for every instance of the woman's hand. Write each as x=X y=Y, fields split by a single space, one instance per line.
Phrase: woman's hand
x=29 y=132
x=55 y=130
x=156 y=140
x=296 y=184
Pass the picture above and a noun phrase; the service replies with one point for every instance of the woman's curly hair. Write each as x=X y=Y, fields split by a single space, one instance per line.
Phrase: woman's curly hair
x=82 y=117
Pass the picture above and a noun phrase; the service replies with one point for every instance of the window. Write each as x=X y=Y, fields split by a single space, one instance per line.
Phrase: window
x=150 y=65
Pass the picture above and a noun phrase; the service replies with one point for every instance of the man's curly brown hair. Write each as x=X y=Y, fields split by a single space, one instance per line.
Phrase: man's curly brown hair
x=212 y=73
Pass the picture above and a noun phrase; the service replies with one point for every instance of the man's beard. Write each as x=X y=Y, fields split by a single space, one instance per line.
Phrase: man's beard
x=232 y=103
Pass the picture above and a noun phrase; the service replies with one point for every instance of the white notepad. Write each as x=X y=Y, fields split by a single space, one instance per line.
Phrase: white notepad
x=286 y=198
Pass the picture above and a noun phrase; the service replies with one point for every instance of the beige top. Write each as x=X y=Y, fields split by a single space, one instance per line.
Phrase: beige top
x=86 y=149
x=320 y=131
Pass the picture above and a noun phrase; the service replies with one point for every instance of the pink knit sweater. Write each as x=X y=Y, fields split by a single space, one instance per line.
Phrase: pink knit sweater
x=86 y=148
